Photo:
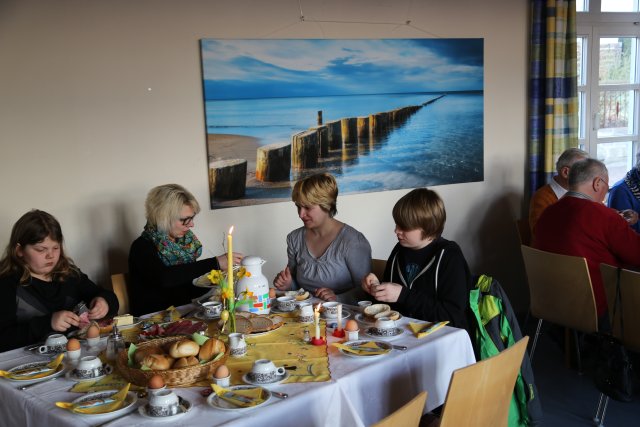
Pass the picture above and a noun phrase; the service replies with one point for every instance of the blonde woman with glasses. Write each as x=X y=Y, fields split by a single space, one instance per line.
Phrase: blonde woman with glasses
x=164 y=260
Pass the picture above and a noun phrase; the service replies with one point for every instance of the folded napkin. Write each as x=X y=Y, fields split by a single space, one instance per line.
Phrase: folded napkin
x=168 y=315
x=242 y=398
x=98 y=406
x=421 y=330
x=368 y=348
x=34 y=372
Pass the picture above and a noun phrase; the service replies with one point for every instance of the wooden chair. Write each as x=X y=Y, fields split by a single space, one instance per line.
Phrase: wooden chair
x=378 y=266
x=480 y=394
x=560 y=292
x=119 y=285
x=408 y=415
x=629 y=300
x=524 y=231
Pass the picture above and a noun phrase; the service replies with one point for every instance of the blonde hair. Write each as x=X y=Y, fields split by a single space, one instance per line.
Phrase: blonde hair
x=320 y=189
x=164 y=204
x=421 y=208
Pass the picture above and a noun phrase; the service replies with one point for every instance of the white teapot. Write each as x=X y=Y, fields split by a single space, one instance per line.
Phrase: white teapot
x=255 y=283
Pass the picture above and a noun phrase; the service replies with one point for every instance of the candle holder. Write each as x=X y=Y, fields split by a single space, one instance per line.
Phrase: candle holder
x=318 y=341
x=338 y=333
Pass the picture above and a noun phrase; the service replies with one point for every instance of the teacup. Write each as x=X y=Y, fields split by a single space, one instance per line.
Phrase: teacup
x=212 y=309
x=384 y=326
x=54 y=342
x=331 y=309
x=306 y=312
x=364 y=304
x=163 y=403
x=286 y=303
x=264 y=371
x=89 y=367
x=237 y=345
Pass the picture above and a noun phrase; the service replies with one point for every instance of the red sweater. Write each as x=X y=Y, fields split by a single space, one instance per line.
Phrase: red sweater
x=584 y=228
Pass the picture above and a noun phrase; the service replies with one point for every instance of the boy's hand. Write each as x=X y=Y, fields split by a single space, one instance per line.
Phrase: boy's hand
x=369 y=281
x=387 y=292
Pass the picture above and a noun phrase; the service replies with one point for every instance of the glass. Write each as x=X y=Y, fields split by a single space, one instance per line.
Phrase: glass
x=581 y=6
x=617 y=60
x=618 y=6
x=187 y=219
x=581 y=43
x=616 y=113
x=618 y=156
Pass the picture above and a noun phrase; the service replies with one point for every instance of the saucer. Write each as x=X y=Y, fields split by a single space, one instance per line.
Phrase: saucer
x=345 y=315
x=279 y=379
x=277 y=310
x=200 y=316
x=392 y=333
x=183 y=407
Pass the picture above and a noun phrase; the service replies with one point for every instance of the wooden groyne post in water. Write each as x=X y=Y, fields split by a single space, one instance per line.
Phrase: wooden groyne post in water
x=274 y=162
x=228 y=178
x=305 y=150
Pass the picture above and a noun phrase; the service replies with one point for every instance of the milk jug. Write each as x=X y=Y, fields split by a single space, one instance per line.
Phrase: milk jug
x=256 y=285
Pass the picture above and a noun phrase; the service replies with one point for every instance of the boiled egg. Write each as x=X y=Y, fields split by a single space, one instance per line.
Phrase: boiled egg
x=73 y=344
x=221 y=372
x=351 y=325
x=93 y=331
x=156 y=382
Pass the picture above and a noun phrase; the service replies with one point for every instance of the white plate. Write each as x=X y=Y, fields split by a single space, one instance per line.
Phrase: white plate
x=361 y=318
x=184 y=407
x=200 y=316
x=130 y=400
x=223 y=405
x=58 y=372
x=345 y=315
x=73 y=377
x=278 y=380
x=396 y=333
x=381 y=344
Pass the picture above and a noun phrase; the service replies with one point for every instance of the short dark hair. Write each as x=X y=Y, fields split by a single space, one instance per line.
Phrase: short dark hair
x=420 y=208
x=585 y=171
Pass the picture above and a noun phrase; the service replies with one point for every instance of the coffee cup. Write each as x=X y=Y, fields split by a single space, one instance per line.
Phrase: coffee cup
x=385 y=326
x=163 y=403
x=54 y=342
x=331 y=309
x=306 y=312
x=89 y=367
x=264 y=371
x=286 y=303
x=212 y=309
x=237 y=345
x=364 y=304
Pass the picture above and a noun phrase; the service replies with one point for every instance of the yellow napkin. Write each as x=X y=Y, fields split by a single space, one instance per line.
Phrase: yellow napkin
x=243 y=398
x=35 y=372
x=168 y=315
x=98 y=406
x=421 y=330
x=363 y=349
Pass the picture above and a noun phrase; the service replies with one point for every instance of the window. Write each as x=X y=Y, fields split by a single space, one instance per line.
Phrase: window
x=608 y=39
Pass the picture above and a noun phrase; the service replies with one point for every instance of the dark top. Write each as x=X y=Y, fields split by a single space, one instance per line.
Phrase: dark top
x=154 y=286
x=436 y=282
x=26 y=310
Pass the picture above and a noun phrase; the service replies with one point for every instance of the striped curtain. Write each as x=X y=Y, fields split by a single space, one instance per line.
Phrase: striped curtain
x=553 y=83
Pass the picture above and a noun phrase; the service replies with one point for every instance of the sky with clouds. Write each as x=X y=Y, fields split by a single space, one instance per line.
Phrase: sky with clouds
x=239 y=69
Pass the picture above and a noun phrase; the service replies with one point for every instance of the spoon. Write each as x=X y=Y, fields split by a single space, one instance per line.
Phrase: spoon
x=24 y=387
x=280 y=395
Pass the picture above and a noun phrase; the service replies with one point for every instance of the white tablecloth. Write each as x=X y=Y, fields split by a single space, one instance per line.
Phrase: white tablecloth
x=361 y=392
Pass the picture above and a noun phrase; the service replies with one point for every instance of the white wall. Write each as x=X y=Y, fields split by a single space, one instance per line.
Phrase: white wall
x=102 y=100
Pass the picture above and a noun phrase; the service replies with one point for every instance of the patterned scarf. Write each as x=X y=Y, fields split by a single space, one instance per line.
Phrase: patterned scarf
x=633 y=182
x=183 y=251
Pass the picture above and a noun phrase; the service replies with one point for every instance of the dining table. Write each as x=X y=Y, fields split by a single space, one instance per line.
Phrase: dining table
x=359 y=391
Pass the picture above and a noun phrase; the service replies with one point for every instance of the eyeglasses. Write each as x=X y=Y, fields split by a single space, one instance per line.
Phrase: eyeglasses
x=605 y=182
x=187 y=220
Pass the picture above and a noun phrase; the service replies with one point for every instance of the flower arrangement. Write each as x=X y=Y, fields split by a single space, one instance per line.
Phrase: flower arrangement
x=229 y=301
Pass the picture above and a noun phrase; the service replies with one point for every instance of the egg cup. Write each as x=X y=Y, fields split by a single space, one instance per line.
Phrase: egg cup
x=223 y=382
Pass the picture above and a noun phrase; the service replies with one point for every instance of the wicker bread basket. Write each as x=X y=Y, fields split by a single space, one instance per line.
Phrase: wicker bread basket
x=172 y=377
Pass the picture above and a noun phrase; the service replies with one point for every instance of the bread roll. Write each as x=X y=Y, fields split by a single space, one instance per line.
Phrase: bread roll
x=184 y=362
x=302 y=296
x=382 y=314
x=184 y=348
x=374 y=309
x=394 y=315
x=210 y=348
x=158 y=362
x=143 y=352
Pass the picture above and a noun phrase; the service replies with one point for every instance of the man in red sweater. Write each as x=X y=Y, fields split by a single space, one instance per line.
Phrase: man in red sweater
x=579 y=224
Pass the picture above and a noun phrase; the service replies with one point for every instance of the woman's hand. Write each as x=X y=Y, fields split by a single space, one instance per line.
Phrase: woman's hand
x=326 y=294
x=63 y=320
x=386 y=292
x=99 y=308
x=369 y=281
x=283 y=280
x=222 y=260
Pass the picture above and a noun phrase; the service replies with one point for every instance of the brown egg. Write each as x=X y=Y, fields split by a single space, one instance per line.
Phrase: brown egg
x=73 y=344
x=221 y=372
x=272 y=293
x=351 y=325
x=93 y=331
x=155 y=382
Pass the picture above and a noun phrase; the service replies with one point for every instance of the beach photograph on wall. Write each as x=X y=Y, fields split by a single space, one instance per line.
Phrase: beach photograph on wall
x=383 y=114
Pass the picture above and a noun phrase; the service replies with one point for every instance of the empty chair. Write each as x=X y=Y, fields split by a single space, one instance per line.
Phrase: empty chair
x=408 y=415
x=119 y=285
x=560 y=292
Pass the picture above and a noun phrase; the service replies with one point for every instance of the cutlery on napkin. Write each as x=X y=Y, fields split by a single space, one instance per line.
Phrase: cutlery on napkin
x=243 y=398
x=35 y=372
x=98 y=406
x=421 y=330
x=365 y=348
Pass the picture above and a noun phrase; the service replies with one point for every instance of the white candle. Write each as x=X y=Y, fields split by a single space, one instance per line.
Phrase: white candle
x=339 y=316
x=230 y=260
x=316 y=318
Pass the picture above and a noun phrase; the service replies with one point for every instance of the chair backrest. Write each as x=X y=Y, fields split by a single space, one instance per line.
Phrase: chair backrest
x=560 y=289
x=630 y=300
x=480 y=394
x=408 y=415
x=524 y=231
x=378 y=266
x=119 y=285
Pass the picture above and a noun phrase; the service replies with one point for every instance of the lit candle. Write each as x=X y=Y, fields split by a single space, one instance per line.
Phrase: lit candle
x=230 y=260
x=316 y=317
x=339 y=316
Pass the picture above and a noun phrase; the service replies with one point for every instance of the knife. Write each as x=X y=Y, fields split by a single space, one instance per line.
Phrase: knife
x=369 y=349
